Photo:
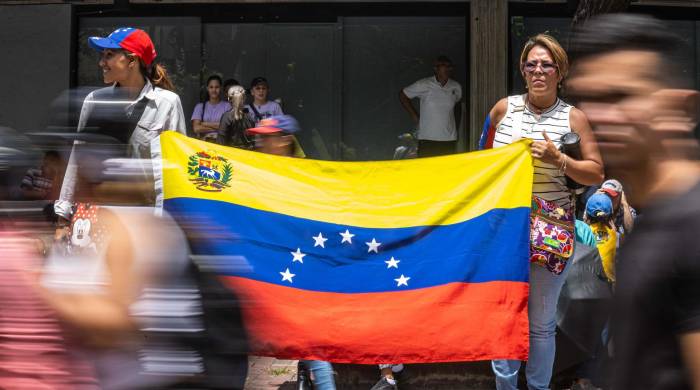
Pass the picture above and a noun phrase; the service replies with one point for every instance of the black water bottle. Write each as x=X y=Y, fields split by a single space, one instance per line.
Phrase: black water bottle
x=571 y=146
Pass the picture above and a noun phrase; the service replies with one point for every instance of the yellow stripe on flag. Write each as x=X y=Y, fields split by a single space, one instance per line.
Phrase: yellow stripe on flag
x=376 y=194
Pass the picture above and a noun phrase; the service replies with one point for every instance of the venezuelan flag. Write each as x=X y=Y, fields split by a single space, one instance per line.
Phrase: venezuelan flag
x=367 y=262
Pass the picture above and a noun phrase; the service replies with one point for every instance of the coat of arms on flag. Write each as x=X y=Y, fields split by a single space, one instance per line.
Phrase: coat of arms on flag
x=209 y=171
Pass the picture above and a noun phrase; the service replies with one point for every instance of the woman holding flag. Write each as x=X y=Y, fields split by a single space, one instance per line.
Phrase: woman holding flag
x=541 y=116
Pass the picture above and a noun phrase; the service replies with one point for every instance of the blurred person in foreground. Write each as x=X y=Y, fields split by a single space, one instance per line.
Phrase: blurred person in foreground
x=623 y=79
x=543 y=117
x=43 y=183
x=275 y=135
x=119 y=283
x=137 y=106
x=34 y=354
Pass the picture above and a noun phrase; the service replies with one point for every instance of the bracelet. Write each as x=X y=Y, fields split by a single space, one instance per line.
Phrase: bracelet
x=562 y=167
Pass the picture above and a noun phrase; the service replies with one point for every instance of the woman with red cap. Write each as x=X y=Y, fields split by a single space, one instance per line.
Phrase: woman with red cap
x=137 y=106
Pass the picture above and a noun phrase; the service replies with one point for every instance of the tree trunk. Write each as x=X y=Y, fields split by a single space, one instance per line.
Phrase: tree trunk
x=589 y=8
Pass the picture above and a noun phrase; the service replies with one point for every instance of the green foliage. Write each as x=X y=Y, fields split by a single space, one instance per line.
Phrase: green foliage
x=192 y=165
x=228 y=174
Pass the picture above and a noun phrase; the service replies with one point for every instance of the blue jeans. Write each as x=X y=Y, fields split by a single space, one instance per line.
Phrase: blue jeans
x=322 y=373
x=542 y=308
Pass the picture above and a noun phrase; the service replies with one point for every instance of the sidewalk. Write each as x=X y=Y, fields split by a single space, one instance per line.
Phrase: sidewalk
x=266 y=373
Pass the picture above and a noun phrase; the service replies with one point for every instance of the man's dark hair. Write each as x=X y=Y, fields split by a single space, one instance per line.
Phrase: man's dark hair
x=443 y=59
x=613 y=32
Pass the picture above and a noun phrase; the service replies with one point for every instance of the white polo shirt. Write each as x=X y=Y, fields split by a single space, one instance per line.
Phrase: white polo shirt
x=437 y=120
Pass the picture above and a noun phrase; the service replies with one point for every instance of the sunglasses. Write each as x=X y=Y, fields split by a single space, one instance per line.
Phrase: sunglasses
x=547 y=67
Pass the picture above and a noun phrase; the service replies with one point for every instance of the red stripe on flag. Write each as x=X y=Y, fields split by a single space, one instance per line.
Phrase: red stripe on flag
x=452 y=322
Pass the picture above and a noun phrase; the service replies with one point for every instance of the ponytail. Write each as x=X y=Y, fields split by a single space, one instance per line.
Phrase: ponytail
x=157 y=75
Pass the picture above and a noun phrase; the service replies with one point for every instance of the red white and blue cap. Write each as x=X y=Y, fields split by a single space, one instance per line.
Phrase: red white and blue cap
x=276 y=124
x=131 y=39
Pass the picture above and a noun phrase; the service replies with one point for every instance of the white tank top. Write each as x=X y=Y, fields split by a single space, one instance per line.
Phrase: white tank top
x=548 y=182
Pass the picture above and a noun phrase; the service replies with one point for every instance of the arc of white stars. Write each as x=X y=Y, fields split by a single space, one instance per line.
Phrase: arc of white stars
x=286 y=275
x=373 y=246
x=392 y=263
x=320 y=241
x=402 y=281
x=298 y=256
x=347 y=237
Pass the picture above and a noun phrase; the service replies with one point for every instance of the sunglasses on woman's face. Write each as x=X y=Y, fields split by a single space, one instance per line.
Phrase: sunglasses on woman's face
x=547 y=67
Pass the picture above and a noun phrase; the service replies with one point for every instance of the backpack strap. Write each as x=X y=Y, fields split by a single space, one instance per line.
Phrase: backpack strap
x=257 y=114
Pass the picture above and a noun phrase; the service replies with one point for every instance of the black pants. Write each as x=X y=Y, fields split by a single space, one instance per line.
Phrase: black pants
x=435 y=148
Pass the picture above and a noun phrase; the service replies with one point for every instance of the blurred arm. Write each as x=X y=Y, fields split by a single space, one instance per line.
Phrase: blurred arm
x=690 y=348
x=103 y=315
x=63 y=207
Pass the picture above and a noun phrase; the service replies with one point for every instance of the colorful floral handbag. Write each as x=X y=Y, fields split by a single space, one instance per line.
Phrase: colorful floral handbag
x=551 y=234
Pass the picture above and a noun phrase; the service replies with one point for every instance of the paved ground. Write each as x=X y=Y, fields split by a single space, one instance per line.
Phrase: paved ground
x=265 y=373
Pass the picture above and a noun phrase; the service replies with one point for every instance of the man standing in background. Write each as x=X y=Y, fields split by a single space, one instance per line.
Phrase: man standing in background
x=438 y=94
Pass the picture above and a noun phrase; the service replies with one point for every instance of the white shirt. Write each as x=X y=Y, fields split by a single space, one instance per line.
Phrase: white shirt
x=437 y=120
x=163 y=111
x=548 y=183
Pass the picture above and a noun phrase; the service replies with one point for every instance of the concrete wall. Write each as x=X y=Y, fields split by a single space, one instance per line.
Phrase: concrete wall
x=35 y=68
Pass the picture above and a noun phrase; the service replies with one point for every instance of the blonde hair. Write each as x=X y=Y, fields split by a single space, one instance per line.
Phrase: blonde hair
x=552 y=45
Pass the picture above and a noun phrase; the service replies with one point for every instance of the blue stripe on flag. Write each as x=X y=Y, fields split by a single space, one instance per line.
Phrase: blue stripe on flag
x=491 y=247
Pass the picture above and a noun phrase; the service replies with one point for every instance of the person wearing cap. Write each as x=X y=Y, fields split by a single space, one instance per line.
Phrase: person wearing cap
x=275 y=135
x=438 y=94
x=599 y=216
x=623 y=213
x=141 y=103
x=262 y=108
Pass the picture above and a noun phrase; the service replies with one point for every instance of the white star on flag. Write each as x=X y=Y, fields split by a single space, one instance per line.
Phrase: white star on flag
x=347 y=236
x=392 y=263
x=402 y=280
x=320 y=241
x=286 y=275
x=373 y=246
x=298 y=256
